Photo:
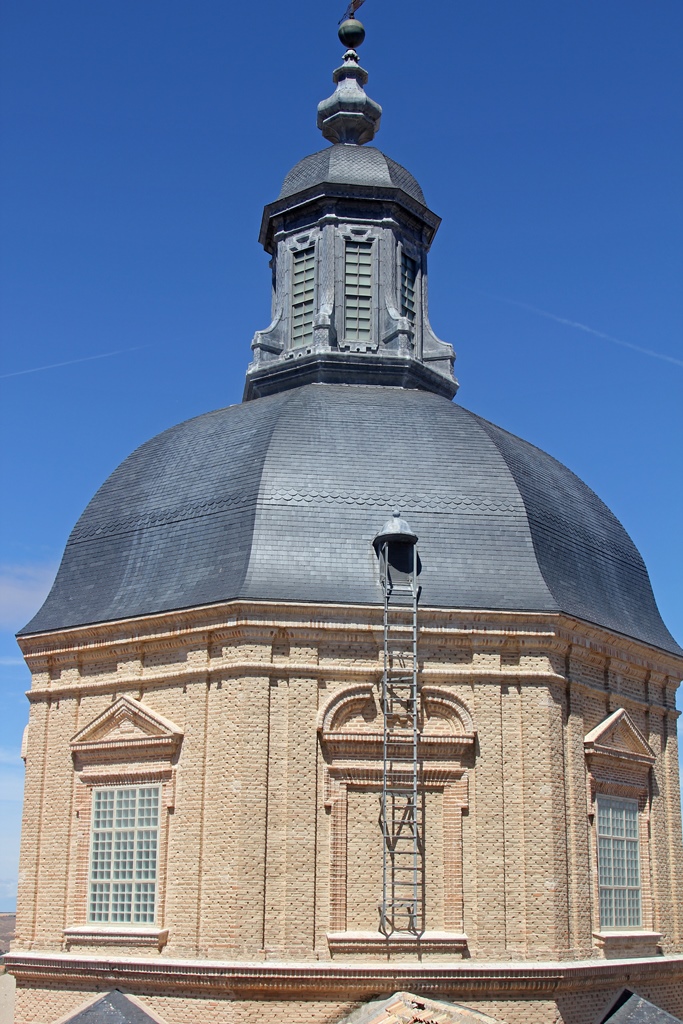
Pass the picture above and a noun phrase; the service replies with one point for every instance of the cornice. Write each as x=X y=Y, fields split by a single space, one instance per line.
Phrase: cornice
x=587 y=635
x=207 y=673
x=456 y=674
x=561 y=630
x=238 y=615
x=298 y=670
x=122 y=936
x=348 y=981
x=625 y=700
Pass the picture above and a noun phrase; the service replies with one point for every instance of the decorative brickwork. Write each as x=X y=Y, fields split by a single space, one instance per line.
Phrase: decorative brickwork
x=260 y=723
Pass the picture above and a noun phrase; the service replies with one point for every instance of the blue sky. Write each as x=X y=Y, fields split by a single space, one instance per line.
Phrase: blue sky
x=140 y=141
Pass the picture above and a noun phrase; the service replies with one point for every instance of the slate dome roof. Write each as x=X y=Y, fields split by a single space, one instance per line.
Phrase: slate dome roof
x=350 y=165
x=281 y=497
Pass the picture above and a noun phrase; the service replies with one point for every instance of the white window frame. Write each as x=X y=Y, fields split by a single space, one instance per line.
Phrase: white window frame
x=123 y=867
x=619 y=863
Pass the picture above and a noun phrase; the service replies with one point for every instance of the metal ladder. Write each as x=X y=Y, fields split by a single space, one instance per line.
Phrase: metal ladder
x=402 y=907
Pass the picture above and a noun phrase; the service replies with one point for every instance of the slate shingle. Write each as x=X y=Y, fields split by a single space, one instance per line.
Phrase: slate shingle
x=114 y=1008
x=350 y=165
x=279 y=499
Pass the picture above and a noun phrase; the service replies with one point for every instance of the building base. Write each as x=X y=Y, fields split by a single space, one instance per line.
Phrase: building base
x=50 y=986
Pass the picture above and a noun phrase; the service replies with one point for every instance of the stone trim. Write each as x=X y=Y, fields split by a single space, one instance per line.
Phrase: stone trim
x=91 y=935
x=560 y=629
x=126 y=731
x=121 y=775
x=377 y=943
x=308 y=669
x=636 y=943
x=370 y=744
x=333 y=715
x=343 y=742
x=597 y=741
x=349 y=981
x=233 y=616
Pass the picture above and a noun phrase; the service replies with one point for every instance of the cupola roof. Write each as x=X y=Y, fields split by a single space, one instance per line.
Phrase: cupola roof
x=350 y=165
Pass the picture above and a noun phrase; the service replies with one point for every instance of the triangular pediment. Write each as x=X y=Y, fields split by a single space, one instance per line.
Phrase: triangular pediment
x=618 y=736
x=127 y=725
x=404 y=1007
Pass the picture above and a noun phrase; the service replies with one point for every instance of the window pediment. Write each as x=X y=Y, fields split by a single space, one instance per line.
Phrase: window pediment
x=351 y=725
x=617 y=737
x=127 y=730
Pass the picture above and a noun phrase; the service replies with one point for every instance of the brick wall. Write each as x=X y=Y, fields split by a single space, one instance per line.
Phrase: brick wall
x=270 y=837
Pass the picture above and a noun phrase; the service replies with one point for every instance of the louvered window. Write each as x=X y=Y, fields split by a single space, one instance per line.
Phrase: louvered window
x=618 y=863
x=408 y=279
x=303 y=294
x=123 y=855
x=358 y=291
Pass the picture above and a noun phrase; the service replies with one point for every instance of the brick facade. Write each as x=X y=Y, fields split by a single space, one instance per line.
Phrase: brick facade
x=261 y=724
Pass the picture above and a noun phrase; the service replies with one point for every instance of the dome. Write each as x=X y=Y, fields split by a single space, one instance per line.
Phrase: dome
x=350 y=165
x=279 y=499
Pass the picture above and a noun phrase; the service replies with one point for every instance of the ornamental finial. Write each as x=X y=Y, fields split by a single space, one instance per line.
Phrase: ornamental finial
x=349 y=115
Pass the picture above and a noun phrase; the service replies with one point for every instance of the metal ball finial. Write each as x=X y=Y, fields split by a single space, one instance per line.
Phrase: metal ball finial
x=351 y=33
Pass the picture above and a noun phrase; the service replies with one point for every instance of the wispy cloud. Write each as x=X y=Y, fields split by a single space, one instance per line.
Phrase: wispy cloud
x=71 y=362
x=23 y=588
x=588 y=330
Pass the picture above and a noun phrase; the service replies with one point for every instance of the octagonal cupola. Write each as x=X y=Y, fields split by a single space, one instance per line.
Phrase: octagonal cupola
x=349 y=236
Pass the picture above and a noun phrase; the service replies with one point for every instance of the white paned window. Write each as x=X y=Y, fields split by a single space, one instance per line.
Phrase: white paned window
x=618 y=863
x=358 y=291
x=303 y=295
x=123 y=855
x=408 y=278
